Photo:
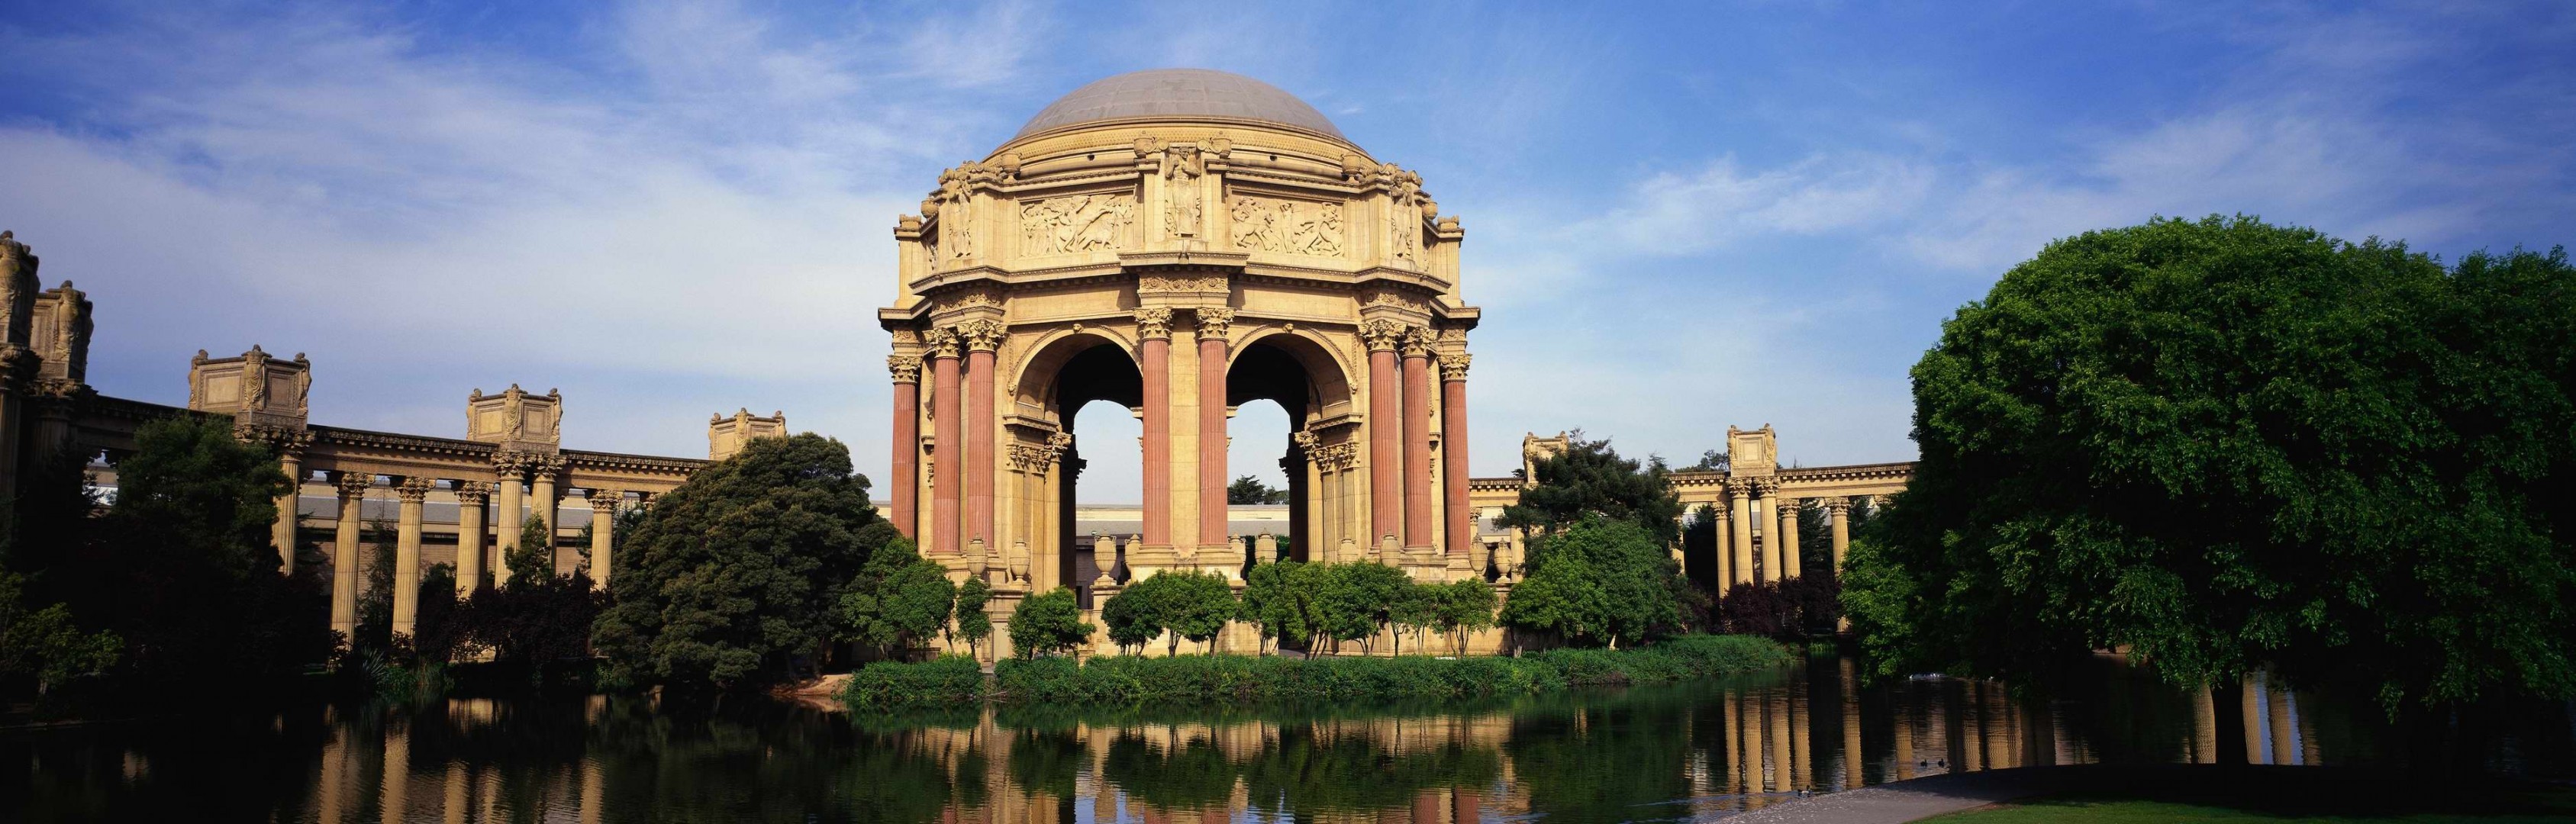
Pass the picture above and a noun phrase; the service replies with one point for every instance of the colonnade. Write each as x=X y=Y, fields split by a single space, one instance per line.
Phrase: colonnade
x=519 y=477
x=1405 y=366
x=1778 y=552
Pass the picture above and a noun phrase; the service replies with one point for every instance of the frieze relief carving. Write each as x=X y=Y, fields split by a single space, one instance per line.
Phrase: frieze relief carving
x=1183 y=283
x=1182 y=166
x=1301 y=227
x=1077 y=223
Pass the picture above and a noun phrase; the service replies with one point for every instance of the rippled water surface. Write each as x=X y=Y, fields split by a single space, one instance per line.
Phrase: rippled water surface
x=1678 y=752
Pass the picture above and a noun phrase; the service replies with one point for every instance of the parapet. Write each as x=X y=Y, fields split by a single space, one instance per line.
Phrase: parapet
x=727 y=435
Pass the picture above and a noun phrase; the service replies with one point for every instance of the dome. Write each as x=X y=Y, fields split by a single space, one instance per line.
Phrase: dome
x=1180 y=94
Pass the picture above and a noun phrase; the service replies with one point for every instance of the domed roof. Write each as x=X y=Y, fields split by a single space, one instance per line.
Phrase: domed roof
x=1179 y=94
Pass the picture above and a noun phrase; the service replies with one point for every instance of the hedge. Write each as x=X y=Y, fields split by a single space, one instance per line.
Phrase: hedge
x=1133 y=680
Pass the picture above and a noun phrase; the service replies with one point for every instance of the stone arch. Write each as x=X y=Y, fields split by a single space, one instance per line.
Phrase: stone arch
x=1327 y=374
x=1038 y=379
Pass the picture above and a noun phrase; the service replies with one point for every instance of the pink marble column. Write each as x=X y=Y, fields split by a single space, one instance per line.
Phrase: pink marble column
x=947 y=408
x=907 y=444
x=1417 y=438
x=982 y=337
x=1154 y=355
x=1453 y=458
x=1213 y=352
x=1386 y=432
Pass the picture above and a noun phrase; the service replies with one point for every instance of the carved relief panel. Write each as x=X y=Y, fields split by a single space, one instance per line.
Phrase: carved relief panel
x=1078 y=223
x=1299 y=227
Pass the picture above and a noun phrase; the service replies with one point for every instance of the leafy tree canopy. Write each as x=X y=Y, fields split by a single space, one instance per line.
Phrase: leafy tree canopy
x=1250 y=490
x=1600 y=581
x=2227 y=444
x=726 y=578
x=1589 y=478
x=1049 y=623
x=1274 y=604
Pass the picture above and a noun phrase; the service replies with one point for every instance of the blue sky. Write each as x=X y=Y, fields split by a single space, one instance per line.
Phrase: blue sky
x=1679 y=217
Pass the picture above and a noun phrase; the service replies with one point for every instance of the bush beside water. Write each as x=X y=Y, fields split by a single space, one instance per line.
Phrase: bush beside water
x=1131 y=680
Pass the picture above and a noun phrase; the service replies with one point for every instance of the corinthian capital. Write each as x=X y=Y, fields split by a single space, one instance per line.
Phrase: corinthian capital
x=942 y=343
x=983 y=335
x=1454 y=367
x=1381 y=335
x=414 y=490
x=906 y=368
x=1215 y=322
x=1154 y=322
x=1418 y=341
x=353 y=484
x=472 y=493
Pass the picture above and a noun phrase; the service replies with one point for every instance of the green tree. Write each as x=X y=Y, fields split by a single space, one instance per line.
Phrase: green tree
x=914 y=605
x=1597 y=582
x=1352 y=600
x=1250 y=490
x=972 y=624
x=182 y=567
x=43 y=644
x=1416 y=608
x=1199 y=607
x=1132 y=617
x=1589 y=478
x=1466 y=607
x=1050 y=622
x=1271 y=603
x=2228 y=445
x=534 y=558
x=731 y=577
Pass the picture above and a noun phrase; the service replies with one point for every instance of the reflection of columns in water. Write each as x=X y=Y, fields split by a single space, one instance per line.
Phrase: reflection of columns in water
x=1904 y=743
x=451 y=807
x=394 y=795
x=1850 y=672
x=594 y=793
x=1734 y=744
x=1776 y=707
x=1465 y=806
x=331 y=791
x=1802 y=751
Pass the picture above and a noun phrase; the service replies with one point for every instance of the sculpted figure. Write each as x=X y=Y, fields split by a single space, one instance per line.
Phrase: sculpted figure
x=1247 y=222
x=1182 y=167
x=1327 y=237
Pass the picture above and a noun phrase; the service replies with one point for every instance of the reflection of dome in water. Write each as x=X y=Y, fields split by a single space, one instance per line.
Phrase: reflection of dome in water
x=1180 y=94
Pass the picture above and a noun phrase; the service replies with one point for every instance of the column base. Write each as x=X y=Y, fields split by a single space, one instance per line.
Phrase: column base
x=1151 y=557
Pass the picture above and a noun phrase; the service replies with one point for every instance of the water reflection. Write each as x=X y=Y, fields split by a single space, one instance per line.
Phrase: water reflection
x=1691 y=751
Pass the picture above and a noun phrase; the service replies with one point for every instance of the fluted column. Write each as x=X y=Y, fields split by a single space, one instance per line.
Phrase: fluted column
x=948 y=449
x=543 y=498
x=1417 y=438
x=510 y=469
x=1771 y=530
x=981 y=338
x=1154 y=364
x=1840 y=510
x=344 y=552
x=1386 y=431
x=291 y=461
x=1721 y=540
x=1740 y=494
x=1214 y=350
x=907 y=443
x=1789 y=561
x=470 y=498
x=603 y=540
x=410 y=491
x=1453 y=460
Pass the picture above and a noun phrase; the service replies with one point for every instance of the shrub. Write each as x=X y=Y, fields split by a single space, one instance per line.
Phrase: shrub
x=1047 y=623
x=1227 y=678
x=942 y=681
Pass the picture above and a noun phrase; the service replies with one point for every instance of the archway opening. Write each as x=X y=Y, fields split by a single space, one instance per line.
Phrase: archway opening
x=1096 y=396
x=1271 y=369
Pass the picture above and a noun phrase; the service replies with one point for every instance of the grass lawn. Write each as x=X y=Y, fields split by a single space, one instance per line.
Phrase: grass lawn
x=2555 y=806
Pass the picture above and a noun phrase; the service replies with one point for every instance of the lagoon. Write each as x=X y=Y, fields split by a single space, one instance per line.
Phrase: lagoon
x=1681 y=751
